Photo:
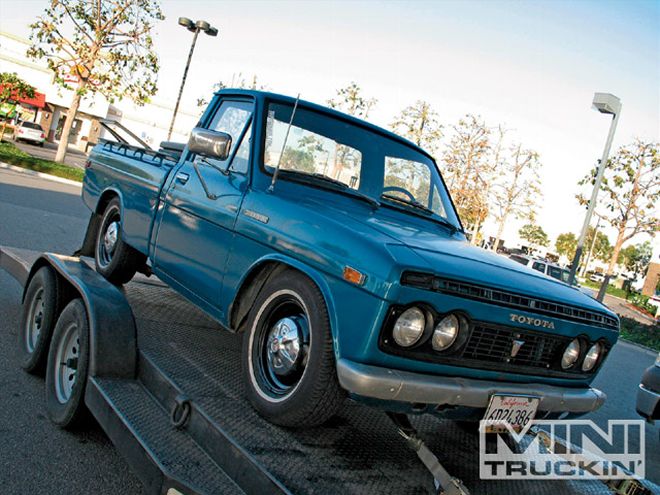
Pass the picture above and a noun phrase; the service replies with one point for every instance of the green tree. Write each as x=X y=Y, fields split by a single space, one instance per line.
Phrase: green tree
x=12 y=88
x=597 y=247
x=629 y=193
x=350 y=100
x=636 y=258
x=566 y=244
x=104 y=46
x=534 y=234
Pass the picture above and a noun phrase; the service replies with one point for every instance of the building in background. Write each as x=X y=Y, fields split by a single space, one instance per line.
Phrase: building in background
x=49 y=109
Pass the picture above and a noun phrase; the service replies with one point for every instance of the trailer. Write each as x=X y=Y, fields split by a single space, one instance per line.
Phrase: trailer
x=165 y=385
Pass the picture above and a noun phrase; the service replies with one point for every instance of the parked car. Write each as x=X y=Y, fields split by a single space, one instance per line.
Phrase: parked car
x=597 y=277
x=648 y=395
x=544 y=266
x=334 y=247
x=30 y=132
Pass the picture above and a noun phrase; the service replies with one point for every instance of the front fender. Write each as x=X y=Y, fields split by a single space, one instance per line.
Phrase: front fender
x=319 y=278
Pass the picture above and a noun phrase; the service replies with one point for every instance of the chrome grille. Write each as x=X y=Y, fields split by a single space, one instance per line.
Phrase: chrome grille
x=494 y=344
x=508 y=299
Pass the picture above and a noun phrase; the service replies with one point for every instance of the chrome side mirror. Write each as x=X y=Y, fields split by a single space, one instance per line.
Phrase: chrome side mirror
x=211 y=144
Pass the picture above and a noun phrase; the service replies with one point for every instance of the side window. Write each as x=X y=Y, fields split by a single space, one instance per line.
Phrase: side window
x=539 y=267
x=232 y=117
x=554 y=272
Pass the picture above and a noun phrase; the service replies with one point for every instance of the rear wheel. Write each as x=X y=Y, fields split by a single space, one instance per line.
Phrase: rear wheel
x=288 y=359
x=114 y=259
x=40 y=307
x=68 y=362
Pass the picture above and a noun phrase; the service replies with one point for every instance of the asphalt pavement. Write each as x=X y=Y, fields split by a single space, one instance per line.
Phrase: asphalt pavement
x=37 y=457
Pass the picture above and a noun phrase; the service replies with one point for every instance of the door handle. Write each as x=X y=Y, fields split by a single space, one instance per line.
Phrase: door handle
x=182 y=177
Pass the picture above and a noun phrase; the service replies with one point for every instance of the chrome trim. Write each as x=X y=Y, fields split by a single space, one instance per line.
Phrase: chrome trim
x=404 y=386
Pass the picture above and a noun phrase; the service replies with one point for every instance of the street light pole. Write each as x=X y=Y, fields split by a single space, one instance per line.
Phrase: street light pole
x=195 y=28
x=608 y=104
x=591 y=248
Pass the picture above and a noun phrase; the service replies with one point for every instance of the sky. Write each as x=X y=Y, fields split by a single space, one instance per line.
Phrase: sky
x=531 y=66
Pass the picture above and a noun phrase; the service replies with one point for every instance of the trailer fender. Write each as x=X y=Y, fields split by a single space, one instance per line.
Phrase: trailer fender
x=112 y=331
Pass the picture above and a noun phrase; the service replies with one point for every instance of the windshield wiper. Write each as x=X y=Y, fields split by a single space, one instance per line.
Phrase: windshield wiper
x=335 y=184
x=428 y=212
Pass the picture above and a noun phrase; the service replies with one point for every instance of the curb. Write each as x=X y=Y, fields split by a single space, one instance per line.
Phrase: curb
x=41 y=175
x=641 y=347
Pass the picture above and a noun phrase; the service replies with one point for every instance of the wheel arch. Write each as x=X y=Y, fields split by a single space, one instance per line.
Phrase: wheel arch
x=256 y=277
x=87 y=248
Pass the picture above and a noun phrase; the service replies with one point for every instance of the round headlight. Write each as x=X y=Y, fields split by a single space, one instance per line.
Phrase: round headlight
x=592 y=356
x=445 y=332
x=571 y=354
x=409 y=327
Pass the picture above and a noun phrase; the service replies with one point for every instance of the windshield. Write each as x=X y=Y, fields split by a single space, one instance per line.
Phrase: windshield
x=31 y=125
x=365 y=161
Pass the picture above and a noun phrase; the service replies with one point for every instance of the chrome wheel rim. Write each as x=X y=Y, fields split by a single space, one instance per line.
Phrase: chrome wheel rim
x=280 y=347
x=34 y=321
x=66 y=363
x=109 y=239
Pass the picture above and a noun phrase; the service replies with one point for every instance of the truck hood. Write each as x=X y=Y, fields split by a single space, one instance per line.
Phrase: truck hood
x=415 y=243
x=452 y=257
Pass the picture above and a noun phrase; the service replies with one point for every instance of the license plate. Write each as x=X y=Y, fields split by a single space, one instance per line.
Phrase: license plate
x=515 y=410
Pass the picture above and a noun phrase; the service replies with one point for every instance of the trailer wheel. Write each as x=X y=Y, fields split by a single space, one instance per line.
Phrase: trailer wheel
x=288 y=359
x=114 y=259
x=66 y=371
x=43 y=300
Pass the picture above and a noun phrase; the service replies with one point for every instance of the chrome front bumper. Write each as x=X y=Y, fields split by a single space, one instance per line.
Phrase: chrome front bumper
x=404 y=386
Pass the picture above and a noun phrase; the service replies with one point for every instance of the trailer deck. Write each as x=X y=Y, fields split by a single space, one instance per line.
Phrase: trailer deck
x=183 y=423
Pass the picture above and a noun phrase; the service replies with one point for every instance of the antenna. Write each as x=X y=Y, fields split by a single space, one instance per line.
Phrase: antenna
x=286 y=137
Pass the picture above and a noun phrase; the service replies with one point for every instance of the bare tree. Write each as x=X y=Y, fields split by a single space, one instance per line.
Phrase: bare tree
x=517 y=188
x=237 y=81
x=419 y=123
x=629 y=193
x=102 y=46
x=468 y=171
x=350 y=100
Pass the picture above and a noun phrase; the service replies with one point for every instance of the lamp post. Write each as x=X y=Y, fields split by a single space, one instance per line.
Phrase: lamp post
x=193 y=27
x=593 y=244
x=611 y=105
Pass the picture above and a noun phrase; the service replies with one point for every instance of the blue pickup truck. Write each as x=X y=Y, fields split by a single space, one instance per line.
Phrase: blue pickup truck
x=333 y=246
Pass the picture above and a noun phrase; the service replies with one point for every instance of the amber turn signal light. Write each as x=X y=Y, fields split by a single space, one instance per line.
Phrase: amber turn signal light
x=353 y=276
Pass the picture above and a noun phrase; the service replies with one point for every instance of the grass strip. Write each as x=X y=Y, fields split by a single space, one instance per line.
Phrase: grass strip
x=9 y=153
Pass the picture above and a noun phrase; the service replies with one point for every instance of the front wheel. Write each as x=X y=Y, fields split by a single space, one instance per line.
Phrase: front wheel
x=288 y=359
x=114 y=259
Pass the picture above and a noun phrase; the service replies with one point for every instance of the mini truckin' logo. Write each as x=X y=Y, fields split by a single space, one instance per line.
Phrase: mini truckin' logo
x=564 y=449
x=530 y=320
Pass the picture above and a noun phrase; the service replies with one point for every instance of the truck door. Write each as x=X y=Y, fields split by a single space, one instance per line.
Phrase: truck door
x=199 y=211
